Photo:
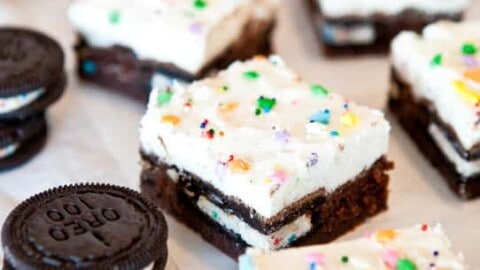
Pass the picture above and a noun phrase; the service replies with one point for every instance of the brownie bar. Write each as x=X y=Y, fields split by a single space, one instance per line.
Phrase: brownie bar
x=118 y=68
x=332 y=214
x=415 y=117
x=385 y=26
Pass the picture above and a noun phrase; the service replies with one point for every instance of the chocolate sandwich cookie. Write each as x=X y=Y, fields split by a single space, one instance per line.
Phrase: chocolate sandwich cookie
x=32 y=75
x=21 y=140
x=86 y=226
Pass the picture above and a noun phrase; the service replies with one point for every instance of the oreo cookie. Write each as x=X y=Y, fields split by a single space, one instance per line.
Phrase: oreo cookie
x=31 y=72
x=21 y=140
x=87 y=226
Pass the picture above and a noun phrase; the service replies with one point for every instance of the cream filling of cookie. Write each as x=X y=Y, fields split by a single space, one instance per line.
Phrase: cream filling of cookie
x=340 y=35
x=281 y=238
x=463 y=167
x=10 y=104
x=8 y=150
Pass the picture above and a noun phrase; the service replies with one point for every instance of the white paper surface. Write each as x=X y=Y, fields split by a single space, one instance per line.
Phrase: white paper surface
x=94 y=138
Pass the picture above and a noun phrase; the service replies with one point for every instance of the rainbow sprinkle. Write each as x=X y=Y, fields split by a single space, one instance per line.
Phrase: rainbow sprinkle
x=322 y=116
x=265 y=104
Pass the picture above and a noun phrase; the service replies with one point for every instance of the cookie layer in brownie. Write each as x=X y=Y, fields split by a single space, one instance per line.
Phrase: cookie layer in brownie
x=329 y=215
x=183 y=40
x=409 y=248
x=416 y=118
x=354 y=28
x=435 y=94
x=271 y=143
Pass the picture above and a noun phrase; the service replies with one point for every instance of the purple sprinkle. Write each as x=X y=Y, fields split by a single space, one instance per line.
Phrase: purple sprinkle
x=470 y=61
x=282 y=137
x=196 y=28
x=221 y=169
x=435 y=253
x=312 y=160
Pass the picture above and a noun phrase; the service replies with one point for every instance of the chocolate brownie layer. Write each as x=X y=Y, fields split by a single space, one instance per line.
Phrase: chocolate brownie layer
x=415 y=117
x=385 y=26
x=332 y=214
x=118 y=68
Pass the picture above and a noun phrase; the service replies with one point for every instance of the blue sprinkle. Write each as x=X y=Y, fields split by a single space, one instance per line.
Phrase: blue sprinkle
x=292 y=238
x=321 y=117
x=89 y=67
x=312 y=266
x=334 y=133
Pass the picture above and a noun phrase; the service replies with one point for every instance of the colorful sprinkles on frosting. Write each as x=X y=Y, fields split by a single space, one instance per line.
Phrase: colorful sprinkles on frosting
x=265 y=105
x=436 y=60
x=319 y=90
x=114 y=16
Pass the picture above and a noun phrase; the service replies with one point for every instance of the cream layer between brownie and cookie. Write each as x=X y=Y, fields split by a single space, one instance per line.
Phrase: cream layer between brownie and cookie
x=419 y=247
x=364 y=32
x=10 y=104
x=261 y=135
x=185 y=33
x=443 y=66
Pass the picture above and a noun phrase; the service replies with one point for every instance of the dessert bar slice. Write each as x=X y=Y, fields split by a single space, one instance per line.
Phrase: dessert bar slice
x=255 y=156
x=421 y=247
x=435 y=94
x=127 y=44
x=367 y=26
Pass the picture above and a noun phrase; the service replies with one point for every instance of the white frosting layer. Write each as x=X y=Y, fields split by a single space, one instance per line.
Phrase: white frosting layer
x=452 y=91
x=281 y=238
x=186 y=33
x=383 y=250
x=10 y=104
x=464 y=167
x=8 y=150
x=338 y=8
x=270 y=160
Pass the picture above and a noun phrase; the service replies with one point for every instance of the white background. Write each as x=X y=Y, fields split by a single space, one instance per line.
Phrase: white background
x=94 y=138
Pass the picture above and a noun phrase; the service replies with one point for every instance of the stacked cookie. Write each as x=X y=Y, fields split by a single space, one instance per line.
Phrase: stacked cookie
x=31 y=79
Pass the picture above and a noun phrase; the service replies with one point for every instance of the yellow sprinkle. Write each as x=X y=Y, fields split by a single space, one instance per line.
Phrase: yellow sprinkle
x=466 y=92
x=473 y=74
x=349 y=119
x=171 y=119
x=228 y=107
x=385 y=236
x=267 y=180
x=238 y=166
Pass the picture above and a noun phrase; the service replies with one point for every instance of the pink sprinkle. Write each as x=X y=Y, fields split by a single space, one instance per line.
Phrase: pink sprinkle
x=368 y=235
x=315 y=257
x=279 y=176
x=390 y=258
x=470 y=61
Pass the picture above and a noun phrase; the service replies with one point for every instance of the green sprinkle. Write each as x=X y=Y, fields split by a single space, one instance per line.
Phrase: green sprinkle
x=344 y=259
x=319 y=90
x=164 y=97
x=437 y=60
x=114 y=16
x=406 y=264
x=265 y=104
x=251 y=75
x=214 y=214
x=469 y=48
x=200 y=4
x=224 y=88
